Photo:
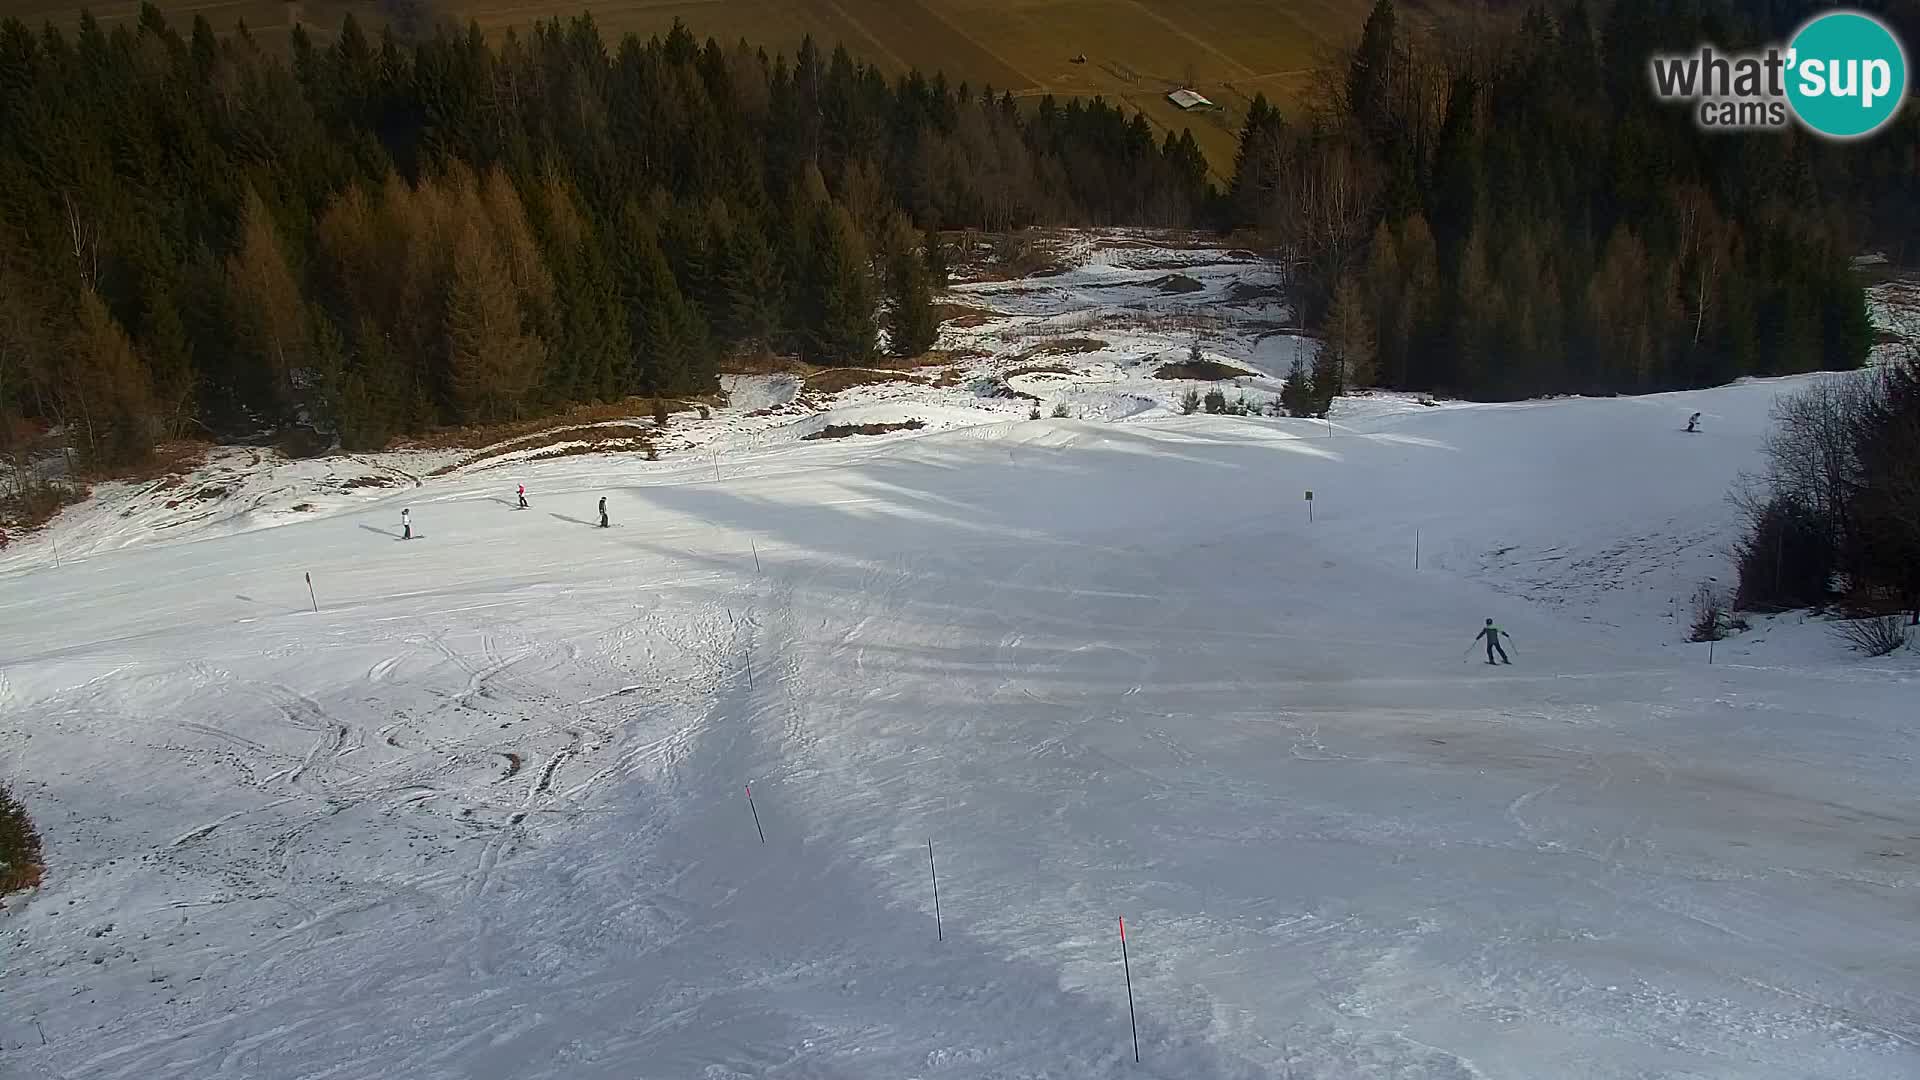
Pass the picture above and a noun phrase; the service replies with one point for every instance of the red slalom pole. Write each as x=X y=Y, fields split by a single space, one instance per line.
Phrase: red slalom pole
x=756 y=815
x=1128 y=965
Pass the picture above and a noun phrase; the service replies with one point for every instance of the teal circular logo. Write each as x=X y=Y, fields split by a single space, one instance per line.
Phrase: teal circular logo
x=1847 y=74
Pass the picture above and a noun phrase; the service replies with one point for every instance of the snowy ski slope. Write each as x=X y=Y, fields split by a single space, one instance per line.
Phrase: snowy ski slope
x=483 y=813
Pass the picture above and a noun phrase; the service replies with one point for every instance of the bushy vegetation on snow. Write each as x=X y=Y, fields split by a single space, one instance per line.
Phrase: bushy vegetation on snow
x=1835 y=517
x=19 y=846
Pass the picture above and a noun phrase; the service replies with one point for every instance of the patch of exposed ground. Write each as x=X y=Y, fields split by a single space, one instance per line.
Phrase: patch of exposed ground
x=841 y=431
x=1062 y=346
x=964 y=316
x=1041 y=369
x=598 y=439
x=834 y=380
x=1176 y=284
x=489 y=436
x=1201 y=371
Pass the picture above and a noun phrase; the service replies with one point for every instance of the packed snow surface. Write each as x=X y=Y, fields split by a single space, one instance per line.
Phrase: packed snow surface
x=485 y=812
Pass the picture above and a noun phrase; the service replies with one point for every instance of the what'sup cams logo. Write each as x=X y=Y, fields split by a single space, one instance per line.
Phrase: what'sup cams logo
x=1844 y=76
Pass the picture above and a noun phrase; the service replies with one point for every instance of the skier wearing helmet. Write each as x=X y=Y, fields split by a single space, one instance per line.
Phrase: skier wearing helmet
x=1492 y=634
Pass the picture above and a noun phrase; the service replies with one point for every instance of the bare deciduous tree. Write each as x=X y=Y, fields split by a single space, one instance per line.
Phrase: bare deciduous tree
x=1323 y=206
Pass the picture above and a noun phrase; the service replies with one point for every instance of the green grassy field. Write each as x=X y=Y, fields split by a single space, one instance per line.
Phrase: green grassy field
x=1136 y=50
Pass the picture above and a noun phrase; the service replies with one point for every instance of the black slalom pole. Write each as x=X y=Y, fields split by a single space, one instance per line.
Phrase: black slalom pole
x=940 y=933
x=1128 y=965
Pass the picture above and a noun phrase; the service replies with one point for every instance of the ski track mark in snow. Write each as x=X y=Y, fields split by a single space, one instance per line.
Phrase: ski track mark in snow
x=195 y=834
x=223 y=735
x=1517 y=805
x=324 y=748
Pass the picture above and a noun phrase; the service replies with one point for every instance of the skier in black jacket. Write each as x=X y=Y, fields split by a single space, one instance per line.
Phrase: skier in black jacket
x=1492 y=634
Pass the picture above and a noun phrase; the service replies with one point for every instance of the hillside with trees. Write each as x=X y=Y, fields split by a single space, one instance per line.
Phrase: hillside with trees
x=380 y=237
x=375 y=238
x=1833 y=520
x=1513 y=214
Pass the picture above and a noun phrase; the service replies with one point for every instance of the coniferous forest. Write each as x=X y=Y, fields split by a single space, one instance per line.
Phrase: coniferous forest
x=1506 y=211
x=375 y=237
x=198 y=237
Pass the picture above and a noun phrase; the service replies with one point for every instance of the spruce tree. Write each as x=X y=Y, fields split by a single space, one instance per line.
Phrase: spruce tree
x=327 y=351
x=839 y=291
x=666 y=334
x=714 y=298
x=492 y=360
x=272 y=314
x=19 y=846
x=684 y=239
x=1296 y=394
x=374 y=402
x=1577 y=61
x=589 y=350
x=939 y=272
x=1326 y=379
x=755 y=290
x=1370 y=77
x=168 y=352
x=912 y=327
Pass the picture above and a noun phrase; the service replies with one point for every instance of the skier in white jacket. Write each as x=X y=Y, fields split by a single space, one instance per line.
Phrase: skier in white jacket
x=406 y=524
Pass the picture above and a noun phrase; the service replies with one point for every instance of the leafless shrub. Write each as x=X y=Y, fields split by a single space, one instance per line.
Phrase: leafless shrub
x=1875 y=636
x=1839 y=501
x=1709 y=614
x=1810 y=452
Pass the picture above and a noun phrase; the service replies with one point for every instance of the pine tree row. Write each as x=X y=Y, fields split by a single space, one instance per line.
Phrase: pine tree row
x=1517 y=216
x=375 y=237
